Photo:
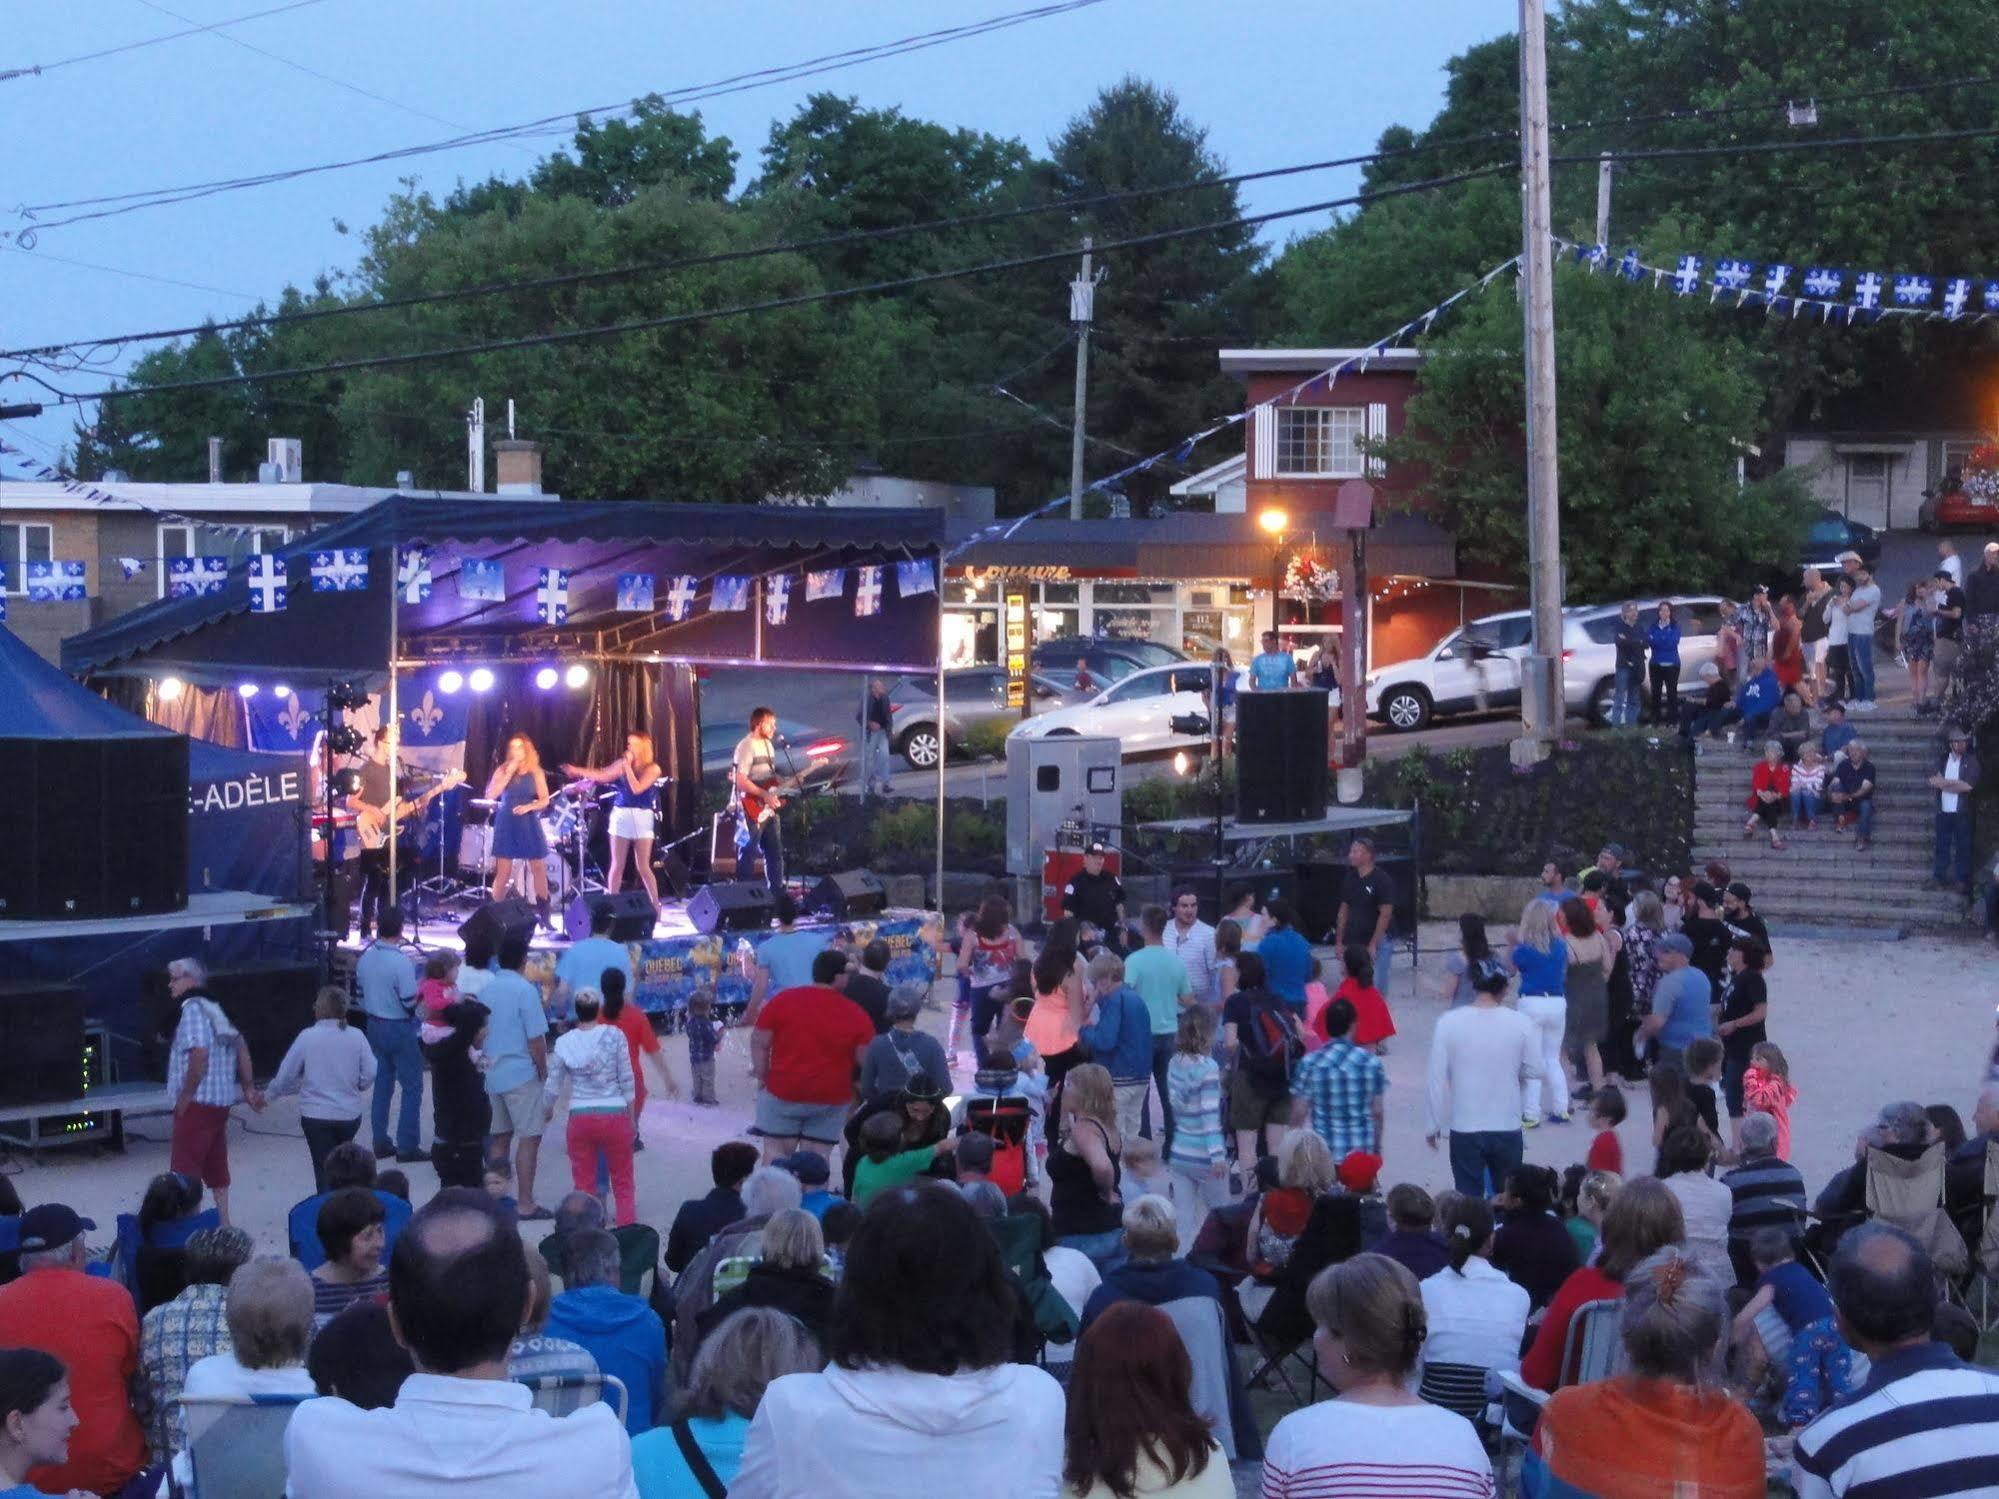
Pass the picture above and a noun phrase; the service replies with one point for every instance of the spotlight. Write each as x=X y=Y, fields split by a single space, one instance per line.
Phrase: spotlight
x=281 y=690
x=171 y=688
x=481 y=680
x=1181 y=764
x=346 y=782
x=577 y=676
x=450 y=681
x=546 y=678
x=346 y=695
x=247 y=690
x=343 y=739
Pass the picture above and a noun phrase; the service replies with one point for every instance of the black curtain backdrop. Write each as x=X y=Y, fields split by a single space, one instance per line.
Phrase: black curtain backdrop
x=588 y=726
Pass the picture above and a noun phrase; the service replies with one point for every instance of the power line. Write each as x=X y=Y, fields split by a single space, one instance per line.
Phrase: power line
x=108 y=205
x=774 y=304
x=117 y=270
x=37 y=69
x=1769 y=148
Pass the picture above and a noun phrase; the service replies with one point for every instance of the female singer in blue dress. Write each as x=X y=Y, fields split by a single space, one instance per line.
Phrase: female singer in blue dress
x=636 y=776
x=522 y=791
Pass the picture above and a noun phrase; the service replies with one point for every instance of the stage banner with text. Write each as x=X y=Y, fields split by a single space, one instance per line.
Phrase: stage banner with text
x=672 y=968
x=246 y=815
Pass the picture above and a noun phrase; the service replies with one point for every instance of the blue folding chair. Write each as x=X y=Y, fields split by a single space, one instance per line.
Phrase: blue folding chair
x=235 y=1445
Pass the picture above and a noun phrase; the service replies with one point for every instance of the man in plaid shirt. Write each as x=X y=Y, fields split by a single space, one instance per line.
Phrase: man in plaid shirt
x=1752 y=622
x=1344 y=1084
x=208 y=1073
x=177 y=1334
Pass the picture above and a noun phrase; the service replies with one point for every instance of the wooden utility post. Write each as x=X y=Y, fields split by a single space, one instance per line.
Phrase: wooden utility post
x=1541 y=698
x=1082 y=308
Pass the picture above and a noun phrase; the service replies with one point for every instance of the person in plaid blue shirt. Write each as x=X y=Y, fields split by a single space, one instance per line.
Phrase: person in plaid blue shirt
x=1344 y=1084
x=208 y=1072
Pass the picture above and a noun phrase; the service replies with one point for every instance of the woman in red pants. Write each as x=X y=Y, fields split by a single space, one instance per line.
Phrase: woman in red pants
x=598 y=1064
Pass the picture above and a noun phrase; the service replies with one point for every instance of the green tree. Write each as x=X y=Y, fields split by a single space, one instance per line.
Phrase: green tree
x=1653 y=421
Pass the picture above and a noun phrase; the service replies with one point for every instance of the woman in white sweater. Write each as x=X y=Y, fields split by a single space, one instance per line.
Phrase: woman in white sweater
x=1477 y=1316
x=598 y=1064
x=921 y=1395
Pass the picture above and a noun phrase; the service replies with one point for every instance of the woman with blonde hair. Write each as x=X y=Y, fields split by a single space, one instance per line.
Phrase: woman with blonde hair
x=1084 y=1172
x=520 y=788
x=331 y=1067
x=1698 y=1438
x=1541 y=958
x=1375 y=1435
x=634 y=811
x=789 y=1274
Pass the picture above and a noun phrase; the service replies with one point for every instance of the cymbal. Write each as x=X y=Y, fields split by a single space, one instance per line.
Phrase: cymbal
x=486 y=803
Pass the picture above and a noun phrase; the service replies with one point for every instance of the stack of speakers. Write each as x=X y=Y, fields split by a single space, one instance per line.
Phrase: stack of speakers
x=93 y=827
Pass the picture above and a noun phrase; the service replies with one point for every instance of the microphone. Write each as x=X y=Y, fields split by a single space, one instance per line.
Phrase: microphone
x=782 y=740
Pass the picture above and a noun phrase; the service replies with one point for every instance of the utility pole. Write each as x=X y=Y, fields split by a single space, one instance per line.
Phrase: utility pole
x=1541 y=697
x=1603 y=201
x=475 y=446
x=1082 y=306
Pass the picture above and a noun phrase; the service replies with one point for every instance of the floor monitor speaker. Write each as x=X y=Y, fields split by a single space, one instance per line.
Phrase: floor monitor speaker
x=730 y=908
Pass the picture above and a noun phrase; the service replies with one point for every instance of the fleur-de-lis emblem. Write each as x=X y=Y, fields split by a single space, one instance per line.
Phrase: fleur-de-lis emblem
x=426 y=715
x=294 y=719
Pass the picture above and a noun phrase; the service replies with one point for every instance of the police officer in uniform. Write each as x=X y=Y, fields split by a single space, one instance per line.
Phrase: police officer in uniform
x=1097 y=897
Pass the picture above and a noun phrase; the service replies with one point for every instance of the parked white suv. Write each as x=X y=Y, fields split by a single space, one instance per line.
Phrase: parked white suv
x=1478 y=666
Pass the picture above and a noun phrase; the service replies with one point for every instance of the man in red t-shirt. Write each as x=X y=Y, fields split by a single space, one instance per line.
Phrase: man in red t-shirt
x=805 y=1049
x=91 y=1325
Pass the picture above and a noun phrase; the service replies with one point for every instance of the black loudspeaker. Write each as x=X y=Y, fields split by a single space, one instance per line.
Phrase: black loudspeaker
x=850 y=893
x=1280 y=753
x=730 y=908
x=496 y=920
x=1319 y=899
x=41 y=1042
x=93 y=827
x=270 y=1003
x=632 y=915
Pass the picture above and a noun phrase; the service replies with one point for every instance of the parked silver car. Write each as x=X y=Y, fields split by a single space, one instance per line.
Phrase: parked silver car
x=973 y=696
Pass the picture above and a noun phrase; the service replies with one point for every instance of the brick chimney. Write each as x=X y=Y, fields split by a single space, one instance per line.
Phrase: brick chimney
x=517 y=466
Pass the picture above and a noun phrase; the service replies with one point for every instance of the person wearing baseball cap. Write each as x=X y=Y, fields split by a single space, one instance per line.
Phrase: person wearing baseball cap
x=1955 y=775
x=90 y=1323
x=1096 y=896
x=1680 y=1001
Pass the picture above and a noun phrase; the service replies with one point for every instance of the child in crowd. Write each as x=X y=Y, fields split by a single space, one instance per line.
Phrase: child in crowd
x=438 y=990
x=1789 y=1325
x=1359 y=1174
x=1767 y=1088
x=1412 y=1239
x=461 y=1113
x=885 y=1163
x=1143 y=1173
x=1606 y=1111
x=704 y=1034
x=1586 y=1197
x=1672 y=1104
x=1372 y=1023
x=1316 y=1000
x=1532 y=1246
x=1199 y=1159
x=838 y=1226
x=1705 y=1059
x=395 y=1183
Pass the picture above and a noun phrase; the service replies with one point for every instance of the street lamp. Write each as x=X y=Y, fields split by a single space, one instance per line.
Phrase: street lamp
x=1274 y=522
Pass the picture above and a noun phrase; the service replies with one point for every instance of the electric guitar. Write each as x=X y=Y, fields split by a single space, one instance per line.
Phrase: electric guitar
x=373 y=823
x=768 y=798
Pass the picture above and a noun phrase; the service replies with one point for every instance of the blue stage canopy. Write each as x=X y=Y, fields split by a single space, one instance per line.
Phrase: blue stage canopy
x=324 y=637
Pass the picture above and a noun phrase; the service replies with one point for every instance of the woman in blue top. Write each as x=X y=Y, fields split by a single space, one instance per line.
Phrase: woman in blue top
x=1542 y=959
x=35 y=1418
x=636 y=775
x=737 y=1361
x=1663 y=640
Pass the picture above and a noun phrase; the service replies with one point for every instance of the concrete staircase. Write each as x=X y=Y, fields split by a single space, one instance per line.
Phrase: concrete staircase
x=1820 y=884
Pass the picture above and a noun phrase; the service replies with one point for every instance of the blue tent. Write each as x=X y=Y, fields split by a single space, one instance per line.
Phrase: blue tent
x=38 y=702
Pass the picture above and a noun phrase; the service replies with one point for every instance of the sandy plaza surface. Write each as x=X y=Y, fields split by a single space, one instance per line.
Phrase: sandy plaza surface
x=1863 y=1023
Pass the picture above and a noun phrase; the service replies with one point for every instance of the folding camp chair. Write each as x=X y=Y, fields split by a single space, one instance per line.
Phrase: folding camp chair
x=1591 y=1350
x=236 y=1445
x=565 y=1394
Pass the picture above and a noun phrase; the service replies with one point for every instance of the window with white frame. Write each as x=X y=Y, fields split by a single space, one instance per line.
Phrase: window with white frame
x=1952 y=457
x=213 y=541
x=22 y=542
x=1320 y=442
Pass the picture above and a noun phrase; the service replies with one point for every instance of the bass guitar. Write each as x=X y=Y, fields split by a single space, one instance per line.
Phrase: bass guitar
x=372 y=823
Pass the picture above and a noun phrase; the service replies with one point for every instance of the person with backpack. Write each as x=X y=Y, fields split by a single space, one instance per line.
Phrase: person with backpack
x=1261 y=1036
x=902 y=1052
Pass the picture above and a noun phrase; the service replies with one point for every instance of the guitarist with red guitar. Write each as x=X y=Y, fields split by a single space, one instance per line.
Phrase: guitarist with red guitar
x=756 y=796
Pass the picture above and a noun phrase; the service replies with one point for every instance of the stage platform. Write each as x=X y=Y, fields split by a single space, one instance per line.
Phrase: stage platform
x=676 y=960
x=204 y=908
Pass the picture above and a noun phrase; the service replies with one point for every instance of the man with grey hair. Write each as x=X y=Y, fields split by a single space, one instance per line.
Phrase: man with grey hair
x=1153 y=1273
x=192 y=1326
x=1964 y=1173
x=1903 y=1131
x=621 y=1332
x=1768 y=1192
x=208 y=1073
x=1923 y=1422
x=902 y=1052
